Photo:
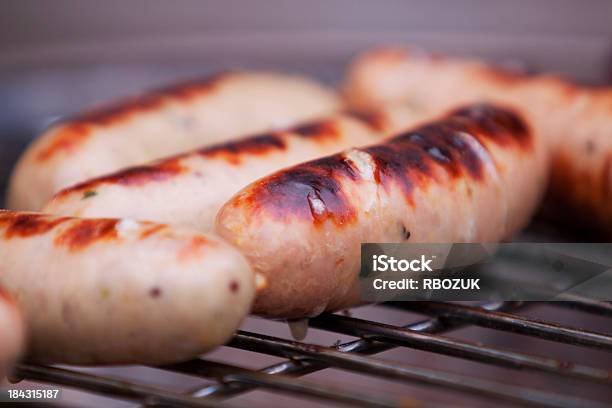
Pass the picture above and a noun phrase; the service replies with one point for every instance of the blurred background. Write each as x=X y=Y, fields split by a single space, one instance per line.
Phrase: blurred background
x=57 y=58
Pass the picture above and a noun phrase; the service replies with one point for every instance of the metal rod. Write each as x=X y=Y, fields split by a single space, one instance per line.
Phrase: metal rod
x=585 y=304
x=510 y=323
x=362 y=346
x=111 y=387
x=225 y=372
x=404 y=372
x=376 y=338
x=444 y=345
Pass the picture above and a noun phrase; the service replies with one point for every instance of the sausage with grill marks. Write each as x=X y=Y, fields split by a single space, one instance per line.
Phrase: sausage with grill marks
x=473 y=176
x=576 y=120
x=111 y=291
x=12 y=332
x=190 y=188
x=162 y=123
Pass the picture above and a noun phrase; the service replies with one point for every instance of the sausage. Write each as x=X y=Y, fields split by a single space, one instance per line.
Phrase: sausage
x=189 y=189
x=581 y=181
x=475 y=175
x=116 y=291
x=12 y=332
x=159 y=124
x=576 y=120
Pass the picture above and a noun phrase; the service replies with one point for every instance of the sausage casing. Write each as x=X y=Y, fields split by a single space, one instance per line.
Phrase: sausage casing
x=12 y=332
x=473 y=176
x=189 y=189
x=109 y=291
x=576 y=120
x=159 y=124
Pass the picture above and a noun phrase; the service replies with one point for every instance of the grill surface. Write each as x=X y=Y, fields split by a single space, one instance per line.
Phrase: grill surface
x=358 y=356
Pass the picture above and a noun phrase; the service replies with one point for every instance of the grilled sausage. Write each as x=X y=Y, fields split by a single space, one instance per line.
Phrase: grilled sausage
x=110 y=291
x=473 y=176
x=159 y=124
x=576 y=120
x=12 y=332
x=190 y=188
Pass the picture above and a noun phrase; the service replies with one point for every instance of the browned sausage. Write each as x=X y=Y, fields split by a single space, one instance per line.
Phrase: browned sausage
x=162 y=123
x=473 y=176
x=576 y=120
x=117 y=291
x=190 y=188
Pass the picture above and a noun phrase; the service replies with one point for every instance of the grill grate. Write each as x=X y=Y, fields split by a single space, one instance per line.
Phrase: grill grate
x=357 y=356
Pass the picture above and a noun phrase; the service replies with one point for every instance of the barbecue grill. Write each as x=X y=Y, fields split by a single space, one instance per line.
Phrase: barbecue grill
x=411 y=354
x=432 y=334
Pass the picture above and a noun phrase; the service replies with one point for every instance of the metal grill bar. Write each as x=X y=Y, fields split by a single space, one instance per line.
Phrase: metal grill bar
x=510 y=323
x=585 y=304
x=112 y=388
x=456 y=348
x=376 y=337
x=362 y=346
x=369 y=365
x=226 y=372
